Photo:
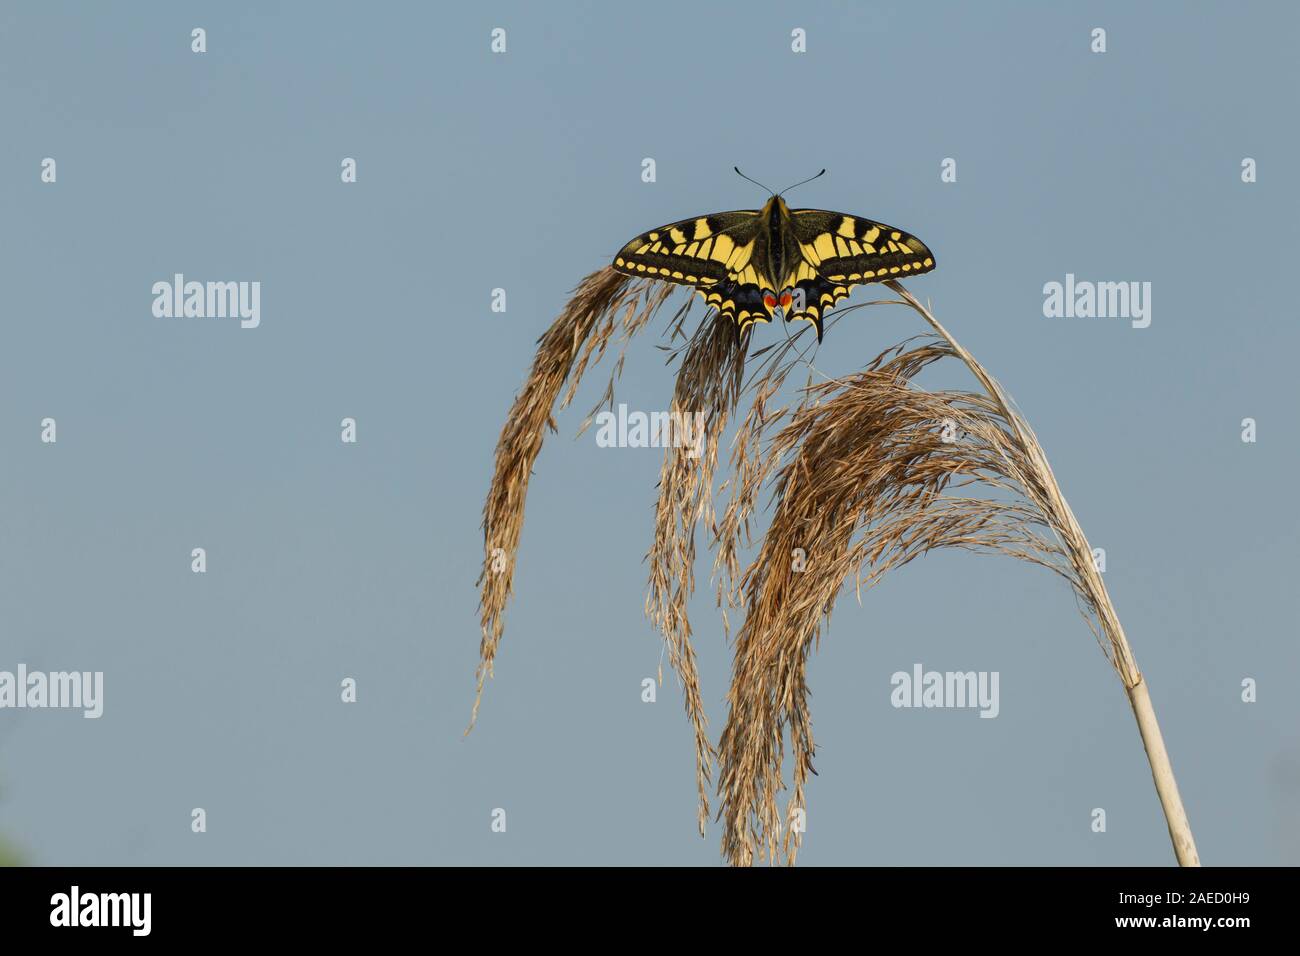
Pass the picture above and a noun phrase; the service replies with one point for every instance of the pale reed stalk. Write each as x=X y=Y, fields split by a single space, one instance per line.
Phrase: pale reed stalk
x=1076 y=545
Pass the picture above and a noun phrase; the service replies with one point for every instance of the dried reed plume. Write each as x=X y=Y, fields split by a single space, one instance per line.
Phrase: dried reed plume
x=709 y=381
x=601 y=303
x=868 y=472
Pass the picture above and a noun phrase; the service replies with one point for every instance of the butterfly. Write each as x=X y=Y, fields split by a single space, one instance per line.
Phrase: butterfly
x=753 y=264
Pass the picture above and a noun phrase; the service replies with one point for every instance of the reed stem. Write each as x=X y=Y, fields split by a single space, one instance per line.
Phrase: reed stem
x=1076 y=545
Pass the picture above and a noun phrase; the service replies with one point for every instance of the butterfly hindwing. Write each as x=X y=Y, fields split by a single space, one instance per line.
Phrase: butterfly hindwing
x=738 y=301
x=814 y=296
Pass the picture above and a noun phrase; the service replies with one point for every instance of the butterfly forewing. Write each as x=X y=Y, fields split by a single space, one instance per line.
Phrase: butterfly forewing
x=848 y=249
x=710 y=248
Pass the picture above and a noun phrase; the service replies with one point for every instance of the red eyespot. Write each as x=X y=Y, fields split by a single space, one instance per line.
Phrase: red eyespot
x=786 y=299
x=769 y=300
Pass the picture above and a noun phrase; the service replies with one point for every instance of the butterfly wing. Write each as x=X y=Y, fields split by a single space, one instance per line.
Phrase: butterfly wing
x=743 y=302
x=714 y=254
x=840 y=252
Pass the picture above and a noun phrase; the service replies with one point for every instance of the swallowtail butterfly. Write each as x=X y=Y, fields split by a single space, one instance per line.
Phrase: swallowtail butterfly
x=752 y=264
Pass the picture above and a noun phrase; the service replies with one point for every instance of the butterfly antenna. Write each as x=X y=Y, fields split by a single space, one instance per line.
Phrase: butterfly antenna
x=808 y=180
x=754 y=181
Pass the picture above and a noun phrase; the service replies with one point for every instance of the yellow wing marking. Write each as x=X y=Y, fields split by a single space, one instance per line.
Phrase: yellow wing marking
x=723 y=247
x=740 y=257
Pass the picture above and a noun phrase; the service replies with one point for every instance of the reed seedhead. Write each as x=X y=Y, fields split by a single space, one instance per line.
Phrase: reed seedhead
x=866 y=473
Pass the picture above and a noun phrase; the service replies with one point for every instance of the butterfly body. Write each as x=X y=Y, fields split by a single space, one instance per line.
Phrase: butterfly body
x=754 y=264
